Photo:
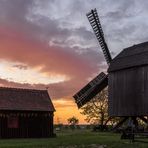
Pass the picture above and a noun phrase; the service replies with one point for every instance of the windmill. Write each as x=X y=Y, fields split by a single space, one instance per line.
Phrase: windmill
x=100 y=81
x=127 y=79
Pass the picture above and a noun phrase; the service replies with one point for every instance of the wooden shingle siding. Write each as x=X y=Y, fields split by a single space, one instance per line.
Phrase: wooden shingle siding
x=40 y=126
x=128 y=92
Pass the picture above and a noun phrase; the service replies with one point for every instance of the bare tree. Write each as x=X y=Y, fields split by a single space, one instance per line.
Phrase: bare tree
x=96 y=110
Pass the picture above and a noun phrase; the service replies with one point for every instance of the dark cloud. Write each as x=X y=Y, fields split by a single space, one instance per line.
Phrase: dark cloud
x=21 y=66
x=15 y=10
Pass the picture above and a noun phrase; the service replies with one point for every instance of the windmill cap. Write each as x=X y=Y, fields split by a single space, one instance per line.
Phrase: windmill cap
x=136 y=55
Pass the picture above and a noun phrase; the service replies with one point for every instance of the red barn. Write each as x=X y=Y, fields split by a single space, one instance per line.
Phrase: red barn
x=25 y=113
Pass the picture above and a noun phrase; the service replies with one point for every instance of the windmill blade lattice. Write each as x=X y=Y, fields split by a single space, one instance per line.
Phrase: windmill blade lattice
x=91 y=89
x=96 y=25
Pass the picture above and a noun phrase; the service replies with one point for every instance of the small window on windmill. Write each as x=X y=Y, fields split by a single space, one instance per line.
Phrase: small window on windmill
x=12 y=121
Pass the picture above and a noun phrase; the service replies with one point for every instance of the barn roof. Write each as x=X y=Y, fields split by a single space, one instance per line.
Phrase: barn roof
x=136 y=55
x=25 y=99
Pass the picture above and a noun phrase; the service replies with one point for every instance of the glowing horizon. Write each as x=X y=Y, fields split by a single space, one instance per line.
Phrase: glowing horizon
x=70 y=109
x=21 y=73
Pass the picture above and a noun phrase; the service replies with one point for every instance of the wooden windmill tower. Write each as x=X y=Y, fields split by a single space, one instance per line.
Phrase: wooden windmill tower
x=127 y=79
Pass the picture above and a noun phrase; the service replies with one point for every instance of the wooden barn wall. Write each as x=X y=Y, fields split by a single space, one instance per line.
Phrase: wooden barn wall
x=38 y=126
x=128 y=92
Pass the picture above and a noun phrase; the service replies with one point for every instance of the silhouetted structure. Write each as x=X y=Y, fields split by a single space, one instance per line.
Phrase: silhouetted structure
x=25 y=113
x=128 y=82
x=127 y=79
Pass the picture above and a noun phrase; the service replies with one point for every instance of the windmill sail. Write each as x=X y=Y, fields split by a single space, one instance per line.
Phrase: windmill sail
x=91 y=89
x=96 y=25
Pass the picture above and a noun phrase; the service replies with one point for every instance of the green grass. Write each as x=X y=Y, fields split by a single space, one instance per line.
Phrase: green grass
x=73 y=139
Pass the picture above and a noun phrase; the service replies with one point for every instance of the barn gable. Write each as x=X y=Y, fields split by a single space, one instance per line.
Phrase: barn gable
x=130 y=57
x=25 y=100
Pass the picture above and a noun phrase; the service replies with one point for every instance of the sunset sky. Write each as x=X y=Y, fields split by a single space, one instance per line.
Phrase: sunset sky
x=50 y=44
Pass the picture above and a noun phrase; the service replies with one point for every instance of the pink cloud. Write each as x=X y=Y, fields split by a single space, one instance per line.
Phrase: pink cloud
x=26 y=41
x=15 y=46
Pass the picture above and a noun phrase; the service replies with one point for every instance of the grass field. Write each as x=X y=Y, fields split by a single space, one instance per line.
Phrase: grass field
x=74 y=139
